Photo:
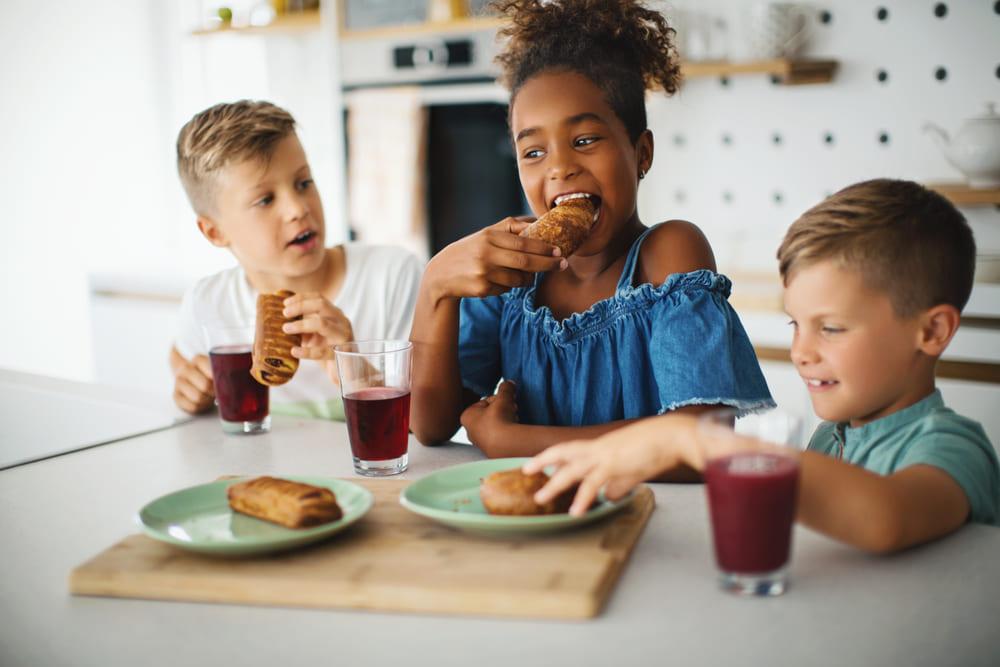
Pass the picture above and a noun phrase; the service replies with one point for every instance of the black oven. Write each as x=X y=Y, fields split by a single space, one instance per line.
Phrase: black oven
x=470 y=178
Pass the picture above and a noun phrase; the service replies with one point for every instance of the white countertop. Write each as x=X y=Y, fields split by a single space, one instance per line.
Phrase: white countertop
x=42 y=416
x=933 y=605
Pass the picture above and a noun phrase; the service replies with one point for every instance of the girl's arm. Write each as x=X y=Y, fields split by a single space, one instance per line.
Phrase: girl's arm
x=437 y=394
x=489 y=262
x=877 y=513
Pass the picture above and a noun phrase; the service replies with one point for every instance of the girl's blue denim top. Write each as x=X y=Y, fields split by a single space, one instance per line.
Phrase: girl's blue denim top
x=644 y=351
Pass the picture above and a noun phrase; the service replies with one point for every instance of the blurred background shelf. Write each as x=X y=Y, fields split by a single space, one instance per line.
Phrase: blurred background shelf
x=290 y=23
x=465 y=24
x=782 y=70
x=963 y=195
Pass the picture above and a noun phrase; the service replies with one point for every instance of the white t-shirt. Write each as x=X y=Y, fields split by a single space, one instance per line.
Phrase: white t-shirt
x=378 y=296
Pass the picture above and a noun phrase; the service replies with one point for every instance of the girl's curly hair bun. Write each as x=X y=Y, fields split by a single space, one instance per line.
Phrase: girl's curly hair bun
x=582 y=35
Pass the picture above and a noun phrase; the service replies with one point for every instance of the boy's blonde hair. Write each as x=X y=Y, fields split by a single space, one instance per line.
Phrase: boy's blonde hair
x=905 y=240
x=225 y=133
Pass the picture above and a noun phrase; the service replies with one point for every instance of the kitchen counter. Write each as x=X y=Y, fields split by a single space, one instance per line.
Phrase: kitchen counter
x=42 y=416
x=932 y=605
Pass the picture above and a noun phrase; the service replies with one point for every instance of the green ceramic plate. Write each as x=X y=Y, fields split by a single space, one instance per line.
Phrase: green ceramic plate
x=451 y=496
x=199 y=519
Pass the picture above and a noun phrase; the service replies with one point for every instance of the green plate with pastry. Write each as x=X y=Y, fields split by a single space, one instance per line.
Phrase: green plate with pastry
x=200 y=518
x=452 y=496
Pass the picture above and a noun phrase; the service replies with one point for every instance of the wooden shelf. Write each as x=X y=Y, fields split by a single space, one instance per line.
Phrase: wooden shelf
x=784 y=70
x=963 y=195
x=283 y=23
x=467 y=24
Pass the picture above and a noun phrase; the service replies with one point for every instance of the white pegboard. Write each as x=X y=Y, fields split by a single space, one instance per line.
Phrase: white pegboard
x=746 y=192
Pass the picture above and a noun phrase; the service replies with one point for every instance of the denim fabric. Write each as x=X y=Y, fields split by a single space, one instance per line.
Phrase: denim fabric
x=644 y=351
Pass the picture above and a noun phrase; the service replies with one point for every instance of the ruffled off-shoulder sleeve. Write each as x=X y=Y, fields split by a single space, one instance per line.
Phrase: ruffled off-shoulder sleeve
x=479 y=343
x=701 y=354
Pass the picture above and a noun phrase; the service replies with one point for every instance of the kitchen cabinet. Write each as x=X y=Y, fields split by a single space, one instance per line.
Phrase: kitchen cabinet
x=133 y=331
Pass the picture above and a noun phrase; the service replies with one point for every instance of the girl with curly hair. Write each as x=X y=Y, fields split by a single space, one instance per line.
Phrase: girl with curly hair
x=636 y=322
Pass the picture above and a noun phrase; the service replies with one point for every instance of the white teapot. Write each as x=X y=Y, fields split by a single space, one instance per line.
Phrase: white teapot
x=975 y=148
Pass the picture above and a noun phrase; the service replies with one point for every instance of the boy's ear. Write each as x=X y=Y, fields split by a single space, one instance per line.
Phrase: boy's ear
x=211 y=231
x=937 y=327
x=644 y=151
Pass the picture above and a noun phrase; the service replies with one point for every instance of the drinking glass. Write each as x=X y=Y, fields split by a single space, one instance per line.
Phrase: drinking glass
x=243 y=402
x=751 y=479
x=375 y=386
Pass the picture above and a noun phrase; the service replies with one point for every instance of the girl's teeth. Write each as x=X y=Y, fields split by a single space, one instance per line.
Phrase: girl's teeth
x=575 y=195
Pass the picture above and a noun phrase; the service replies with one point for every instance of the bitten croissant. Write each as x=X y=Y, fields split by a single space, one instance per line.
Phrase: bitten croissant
x=273 y=363
x=566 y=226
x=290 y=504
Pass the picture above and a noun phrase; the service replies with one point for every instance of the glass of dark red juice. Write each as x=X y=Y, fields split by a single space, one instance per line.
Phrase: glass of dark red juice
x=375 y=386
x=242 y=401
x=751 y=479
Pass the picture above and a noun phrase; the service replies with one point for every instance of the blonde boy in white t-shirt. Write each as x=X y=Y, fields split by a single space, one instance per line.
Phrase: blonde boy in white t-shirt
x=249 y=183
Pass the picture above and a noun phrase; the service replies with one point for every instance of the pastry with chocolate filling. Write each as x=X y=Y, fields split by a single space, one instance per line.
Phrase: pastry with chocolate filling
x=511 y=492
x=566 y=226
x=273 y=363
x=290 y=504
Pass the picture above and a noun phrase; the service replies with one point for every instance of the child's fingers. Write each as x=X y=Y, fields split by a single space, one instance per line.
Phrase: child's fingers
x=618 y=487
x=194 y=396
x=526 y=262
x=522 y=244
x=196 y=378
x=587 y=493
x=564 y=478
x=514 y=225
x=301 y=304
x=203 y=364
x=553 y=456
x=333 y=326
x=507 y=390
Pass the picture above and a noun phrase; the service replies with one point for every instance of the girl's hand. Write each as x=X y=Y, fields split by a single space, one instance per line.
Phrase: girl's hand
x=616 y=462
x=194 y=390
x=322 y=326
x=492 y=261
x=485 y=420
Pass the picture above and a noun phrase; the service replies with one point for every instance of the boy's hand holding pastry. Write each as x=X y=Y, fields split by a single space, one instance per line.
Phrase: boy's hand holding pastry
x=194 y=390
x=487 y=421
x=321 y=325
x=492 y=261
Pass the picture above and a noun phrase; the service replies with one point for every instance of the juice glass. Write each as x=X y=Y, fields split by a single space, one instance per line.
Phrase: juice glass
x=751 y=479
x=375 y=386
x=243 y=402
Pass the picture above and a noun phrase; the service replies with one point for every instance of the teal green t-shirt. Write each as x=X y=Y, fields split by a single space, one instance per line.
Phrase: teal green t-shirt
x=925 y=433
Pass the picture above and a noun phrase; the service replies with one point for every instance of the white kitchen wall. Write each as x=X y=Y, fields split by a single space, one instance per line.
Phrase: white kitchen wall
x=82 y=167
x=93 y=97
x=743 y=158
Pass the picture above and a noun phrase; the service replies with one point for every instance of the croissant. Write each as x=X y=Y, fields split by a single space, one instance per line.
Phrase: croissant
x=565 y=226
x=273 y=363
x=290 y=504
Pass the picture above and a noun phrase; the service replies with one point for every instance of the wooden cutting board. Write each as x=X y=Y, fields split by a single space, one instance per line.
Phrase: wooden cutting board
x=391 y=560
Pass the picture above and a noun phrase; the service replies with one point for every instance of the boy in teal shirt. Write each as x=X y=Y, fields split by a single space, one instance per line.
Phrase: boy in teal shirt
x=875 y=279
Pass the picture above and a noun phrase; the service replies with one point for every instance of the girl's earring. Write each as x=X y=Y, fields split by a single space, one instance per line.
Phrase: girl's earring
x=642 y=174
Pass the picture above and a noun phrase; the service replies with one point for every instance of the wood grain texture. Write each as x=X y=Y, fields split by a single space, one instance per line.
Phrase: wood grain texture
x=392 y=560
